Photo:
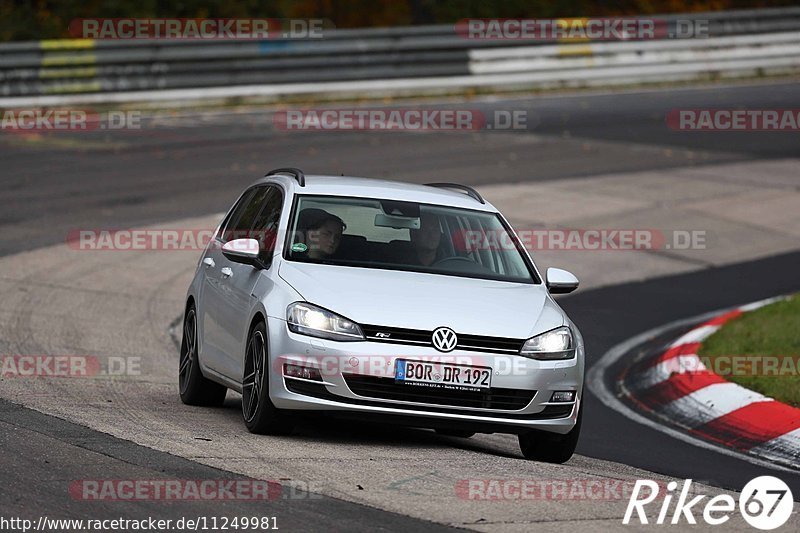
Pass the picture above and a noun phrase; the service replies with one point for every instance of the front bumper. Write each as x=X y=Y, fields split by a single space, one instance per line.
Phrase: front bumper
x=358 y=380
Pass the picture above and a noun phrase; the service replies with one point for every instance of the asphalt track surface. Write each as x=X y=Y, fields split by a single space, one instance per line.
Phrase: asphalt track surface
x=176 y=170
x=181 y=167
x=608 y=315
x=43 y=454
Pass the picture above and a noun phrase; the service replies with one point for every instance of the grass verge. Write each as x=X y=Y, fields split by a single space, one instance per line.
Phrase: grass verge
x=760 y=350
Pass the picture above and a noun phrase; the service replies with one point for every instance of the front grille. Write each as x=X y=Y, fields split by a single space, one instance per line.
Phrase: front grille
x=421 y=337
x=320 y=391
x=388 y=389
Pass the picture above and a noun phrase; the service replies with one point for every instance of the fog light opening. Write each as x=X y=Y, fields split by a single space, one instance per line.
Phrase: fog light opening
x=563 y=396
x=301 y=372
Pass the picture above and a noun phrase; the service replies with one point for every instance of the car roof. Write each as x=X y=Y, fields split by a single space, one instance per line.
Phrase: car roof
x=378 y=188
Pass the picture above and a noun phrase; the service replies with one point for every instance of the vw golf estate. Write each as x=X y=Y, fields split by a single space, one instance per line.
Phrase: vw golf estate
x=414 y=304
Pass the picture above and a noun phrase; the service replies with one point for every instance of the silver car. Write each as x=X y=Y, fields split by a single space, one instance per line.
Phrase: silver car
x=409 y=303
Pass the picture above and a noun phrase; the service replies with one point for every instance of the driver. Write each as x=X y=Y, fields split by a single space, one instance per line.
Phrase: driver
x=322 y=231
x=425 y=240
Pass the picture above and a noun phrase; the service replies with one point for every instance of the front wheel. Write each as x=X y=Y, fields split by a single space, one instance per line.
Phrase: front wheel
x=260 y=415
x=194 y=388
x=551 y=447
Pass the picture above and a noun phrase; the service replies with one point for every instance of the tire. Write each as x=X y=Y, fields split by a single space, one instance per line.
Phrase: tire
x=194 y=388
x=455 y=433
x=551 y=447
x=259 y=414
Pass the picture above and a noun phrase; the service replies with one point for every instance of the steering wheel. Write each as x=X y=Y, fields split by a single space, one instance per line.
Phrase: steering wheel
x=454 y=259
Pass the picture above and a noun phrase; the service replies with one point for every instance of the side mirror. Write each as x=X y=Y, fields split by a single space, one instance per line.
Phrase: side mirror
x=560 y=281
x=243 y=251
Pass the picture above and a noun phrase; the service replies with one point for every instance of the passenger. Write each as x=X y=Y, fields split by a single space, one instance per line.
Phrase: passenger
x=321 y=231
x=425 y=241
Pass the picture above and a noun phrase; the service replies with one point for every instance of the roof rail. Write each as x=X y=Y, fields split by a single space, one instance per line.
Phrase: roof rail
x=296 y=172
x=467 y=189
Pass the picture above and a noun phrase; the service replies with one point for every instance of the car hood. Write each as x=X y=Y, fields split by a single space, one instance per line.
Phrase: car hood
x=426 y=301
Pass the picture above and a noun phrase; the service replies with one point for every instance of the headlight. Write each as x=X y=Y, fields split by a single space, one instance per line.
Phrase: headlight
x=554 y=344
x=311 y=320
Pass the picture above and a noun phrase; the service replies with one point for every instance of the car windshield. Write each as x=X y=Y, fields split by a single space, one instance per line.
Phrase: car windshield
x=408 y=236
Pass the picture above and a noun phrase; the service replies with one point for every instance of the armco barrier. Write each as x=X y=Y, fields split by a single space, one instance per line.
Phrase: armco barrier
x=408 y=59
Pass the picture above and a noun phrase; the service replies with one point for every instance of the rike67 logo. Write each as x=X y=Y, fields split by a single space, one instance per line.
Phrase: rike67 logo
x=765 y=503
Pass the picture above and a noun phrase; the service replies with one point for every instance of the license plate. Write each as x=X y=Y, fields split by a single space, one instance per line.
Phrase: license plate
x=443 y=375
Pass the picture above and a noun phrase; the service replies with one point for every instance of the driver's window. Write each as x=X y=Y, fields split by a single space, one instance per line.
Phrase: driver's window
x=265 y=226
x=233 y=218
x=241 y=222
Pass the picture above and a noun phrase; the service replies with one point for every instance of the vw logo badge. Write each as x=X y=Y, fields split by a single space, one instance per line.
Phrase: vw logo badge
x=444 y=339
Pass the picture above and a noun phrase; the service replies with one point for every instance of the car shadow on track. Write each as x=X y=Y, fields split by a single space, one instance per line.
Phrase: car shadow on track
x=324 y=428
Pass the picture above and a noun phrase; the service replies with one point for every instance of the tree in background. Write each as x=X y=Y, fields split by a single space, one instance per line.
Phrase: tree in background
x=49 y=19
